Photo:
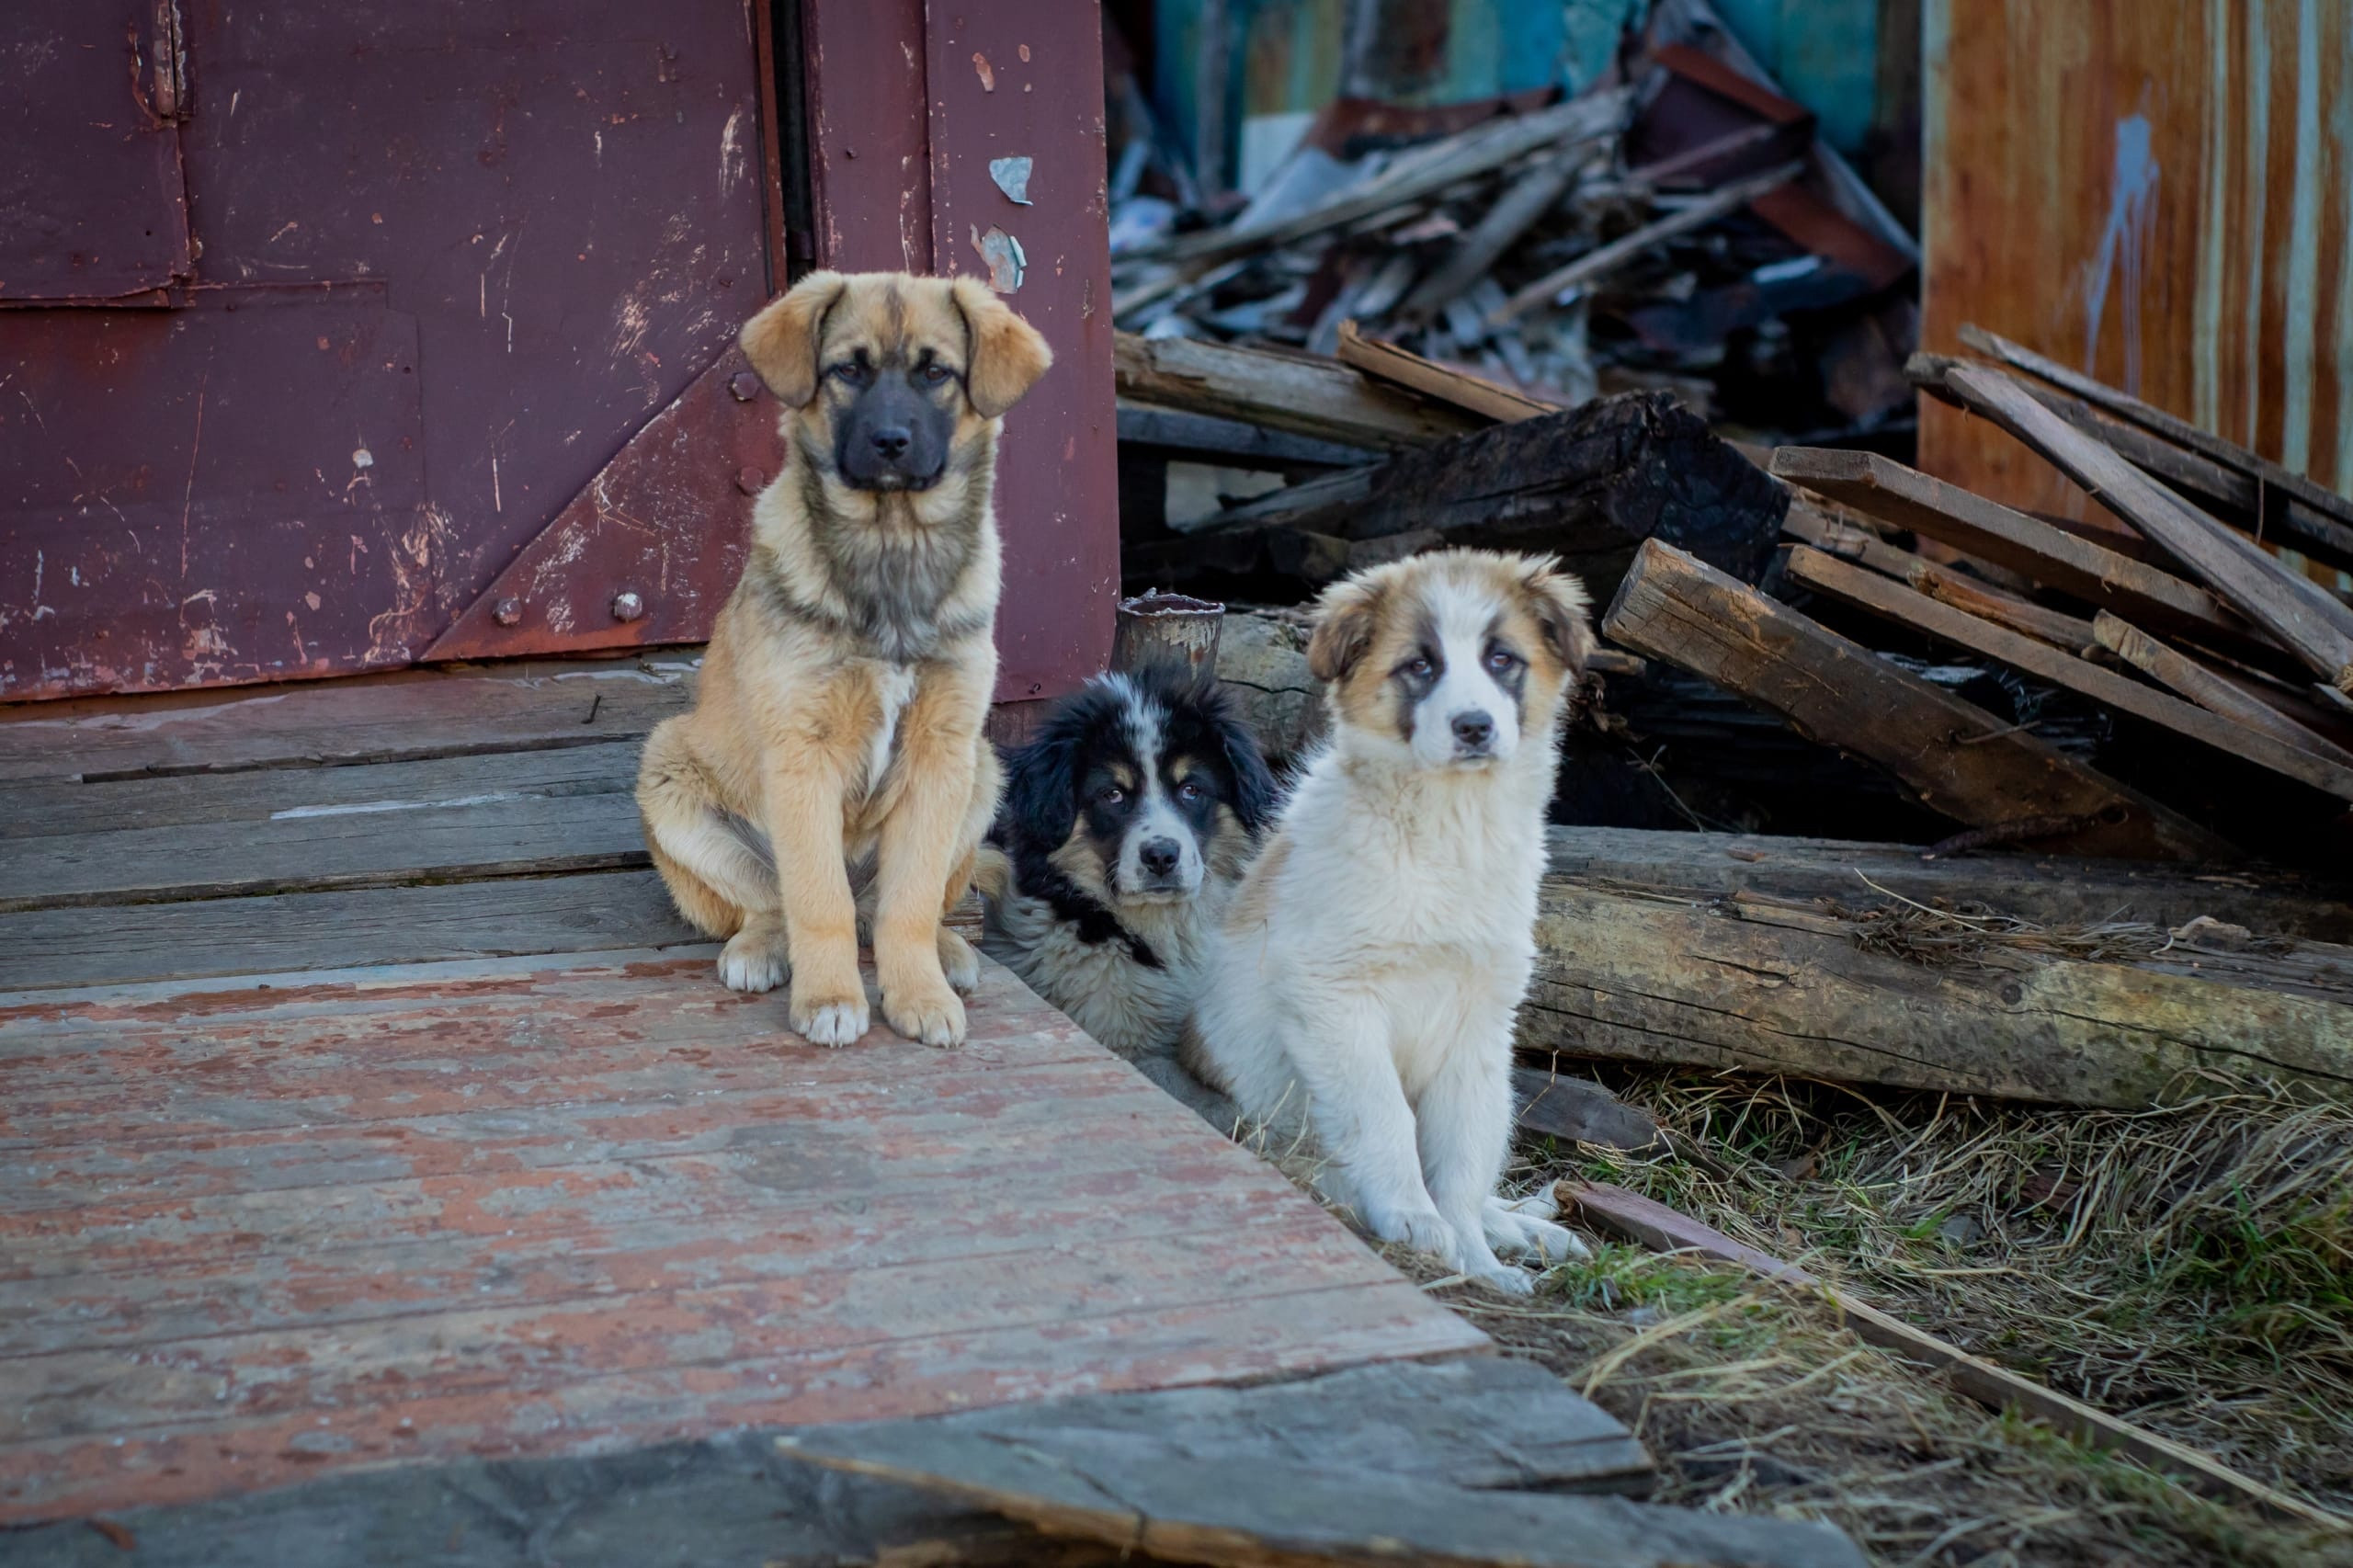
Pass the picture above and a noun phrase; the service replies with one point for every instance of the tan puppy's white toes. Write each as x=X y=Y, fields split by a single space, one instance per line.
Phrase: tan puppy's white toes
x=831 y=1022
x=932 y=1017
x=754 y=959
x=959 y=962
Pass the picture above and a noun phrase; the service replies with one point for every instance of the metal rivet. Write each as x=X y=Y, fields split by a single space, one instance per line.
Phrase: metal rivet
x=749 y=480
x=506 y=612
x=628 y=605
x=745 y=385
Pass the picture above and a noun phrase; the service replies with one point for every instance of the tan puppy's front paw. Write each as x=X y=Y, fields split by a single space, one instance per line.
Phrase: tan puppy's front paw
x=823 y=1019
x=754 y=959
x=959 y=962
x=931 y=1014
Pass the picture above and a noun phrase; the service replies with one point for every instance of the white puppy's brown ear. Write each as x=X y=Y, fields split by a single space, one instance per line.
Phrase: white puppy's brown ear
x=1564 y=615
x=1008 y=354
x=1347 y=617
x=781 y=341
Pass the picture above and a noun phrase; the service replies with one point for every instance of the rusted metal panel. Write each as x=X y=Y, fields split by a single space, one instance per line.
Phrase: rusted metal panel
x=93 y=206
x=540 y=1207
x=648 y=552
x=2159 y=195
x=231 y=491
x=1024 y=78
x=558 y=202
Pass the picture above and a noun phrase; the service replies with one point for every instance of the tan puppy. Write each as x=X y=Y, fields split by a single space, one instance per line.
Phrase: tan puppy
x=837 y=726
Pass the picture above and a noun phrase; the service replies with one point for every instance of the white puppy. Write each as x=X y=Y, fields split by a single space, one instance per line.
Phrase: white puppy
x=1368 y=967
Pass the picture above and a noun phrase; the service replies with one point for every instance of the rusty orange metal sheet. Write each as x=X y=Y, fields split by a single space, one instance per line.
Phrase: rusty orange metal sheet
x=249 y=1235
x=2160 y=194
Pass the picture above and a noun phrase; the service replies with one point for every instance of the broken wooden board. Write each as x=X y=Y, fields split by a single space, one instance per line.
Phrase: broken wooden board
x=2209 y=690
x=251 y=1232
x=2047 y=890
x=1133 y=1493
x=1300 y=394
x=1475 y=1422
x=2304 y=620
x=1870 y=591
x=1765 y=987
x=1662 y=1229
x=2302 y=490
x=1579 y=1110
x=1957 y=758
x=2028 y=546
x=1475 y=394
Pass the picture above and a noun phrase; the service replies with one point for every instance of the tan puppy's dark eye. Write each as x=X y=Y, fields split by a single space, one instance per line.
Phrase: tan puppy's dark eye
x=934 y=374
x=845 y=371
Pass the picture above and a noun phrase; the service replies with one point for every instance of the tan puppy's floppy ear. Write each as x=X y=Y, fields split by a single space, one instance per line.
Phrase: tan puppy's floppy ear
x=1564 y=615
x=1008 y=354
x=781 y=341
x=1346 y=618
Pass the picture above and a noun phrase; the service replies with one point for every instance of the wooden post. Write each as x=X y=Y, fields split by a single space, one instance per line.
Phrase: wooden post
x=1166 y=629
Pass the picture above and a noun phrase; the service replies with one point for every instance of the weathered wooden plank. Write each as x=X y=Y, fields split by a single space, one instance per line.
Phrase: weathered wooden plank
x=1870 y=591
x=34 y=810
x=444 y=1057
x=697 y=1237
x=1141 y=1346
x=361 y=845
x=1135 y=1492
x=412 y=715
x=1662 y=1229
x=1302 y=394
x=1478 y=1422
x=1579 y=1110
x=96 y=944
x=2048 y=890
x=502 y=1207
x=2310 y=624
x=2028 y=546
x=1490 y=400
x=2209 y=690
x=1958 y=759
x=2301 y=489
x=1773 y=989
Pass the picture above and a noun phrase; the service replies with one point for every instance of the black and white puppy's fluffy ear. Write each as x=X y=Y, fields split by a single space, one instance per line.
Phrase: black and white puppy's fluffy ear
x=1042 y=787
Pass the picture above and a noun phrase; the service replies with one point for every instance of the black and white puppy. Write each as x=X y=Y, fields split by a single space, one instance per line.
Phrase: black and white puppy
x=1127 y=823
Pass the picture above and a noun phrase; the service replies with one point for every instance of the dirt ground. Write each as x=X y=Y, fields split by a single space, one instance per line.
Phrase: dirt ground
x=2190 y=1269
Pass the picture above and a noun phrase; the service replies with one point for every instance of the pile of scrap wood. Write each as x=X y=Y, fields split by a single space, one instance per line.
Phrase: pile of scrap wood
x=1674 y=226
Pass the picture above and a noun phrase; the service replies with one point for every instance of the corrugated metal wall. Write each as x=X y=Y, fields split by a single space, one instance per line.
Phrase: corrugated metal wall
x=2159 y=193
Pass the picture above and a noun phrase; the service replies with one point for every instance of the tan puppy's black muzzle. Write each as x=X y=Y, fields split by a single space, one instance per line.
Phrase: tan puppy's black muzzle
x=896 y=433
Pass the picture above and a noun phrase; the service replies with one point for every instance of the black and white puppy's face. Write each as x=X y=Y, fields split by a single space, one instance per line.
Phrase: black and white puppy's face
x=1137 y=790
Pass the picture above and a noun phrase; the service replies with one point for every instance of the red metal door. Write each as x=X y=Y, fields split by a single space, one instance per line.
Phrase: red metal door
x=92 y=203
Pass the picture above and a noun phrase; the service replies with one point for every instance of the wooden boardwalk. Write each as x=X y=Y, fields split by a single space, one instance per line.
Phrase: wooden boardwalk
x=363 y=1104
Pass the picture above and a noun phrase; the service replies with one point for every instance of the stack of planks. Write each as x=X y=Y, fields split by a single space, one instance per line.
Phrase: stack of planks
x=2174 y=619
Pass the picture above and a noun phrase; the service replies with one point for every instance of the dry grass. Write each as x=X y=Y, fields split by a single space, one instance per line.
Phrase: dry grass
x=2191 y=1268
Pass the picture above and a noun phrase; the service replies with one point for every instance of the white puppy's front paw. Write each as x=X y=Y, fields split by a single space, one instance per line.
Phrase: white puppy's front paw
x=1505 y=1281
x=1424 y=1230
x=1526 y=1228
x=754 y=959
